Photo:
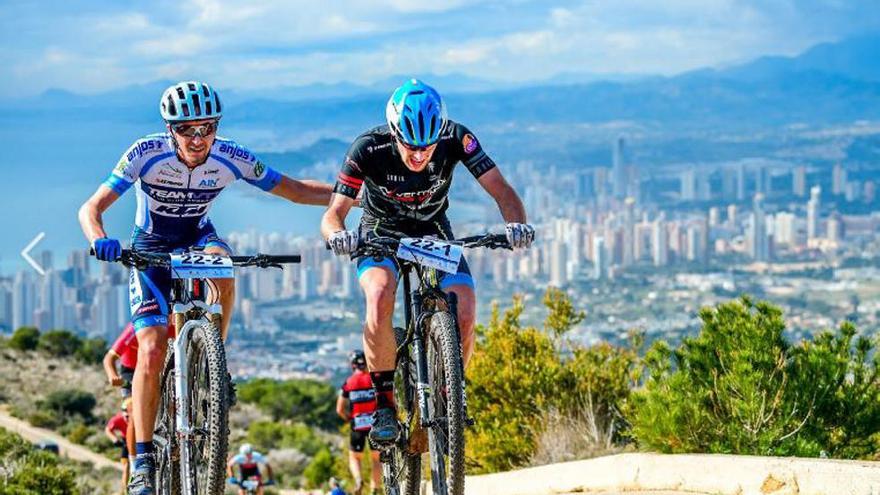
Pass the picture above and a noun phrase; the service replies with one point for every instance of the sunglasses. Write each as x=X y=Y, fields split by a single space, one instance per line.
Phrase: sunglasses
x=412 y=148
x=190 y=131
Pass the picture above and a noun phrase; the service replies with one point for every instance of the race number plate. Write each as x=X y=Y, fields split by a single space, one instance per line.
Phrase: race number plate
x=431 y=252
x=200 y=265
x=363 y=421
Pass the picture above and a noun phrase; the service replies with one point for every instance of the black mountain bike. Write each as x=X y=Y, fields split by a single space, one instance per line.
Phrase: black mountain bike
x=191 y=434
x=429 y=377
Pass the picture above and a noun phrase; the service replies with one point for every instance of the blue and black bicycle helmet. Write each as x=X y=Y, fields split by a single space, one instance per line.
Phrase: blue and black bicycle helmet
x=190 y=100
x=416 y=114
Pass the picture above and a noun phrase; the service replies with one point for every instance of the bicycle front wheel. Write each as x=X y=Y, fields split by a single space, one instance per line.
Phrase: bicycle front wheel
x=446 y=435
x=401 y=467
x=165 y=435
x=208 y=385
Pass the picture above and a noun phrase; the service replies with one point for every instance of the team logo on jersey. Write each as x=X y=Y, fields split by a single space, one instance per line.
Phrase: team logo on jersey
x=236 y=151
x=259 y=168
x=120 y=167
x=394 y=178
x=470 y=143
x=144 y=147
x=208 y=183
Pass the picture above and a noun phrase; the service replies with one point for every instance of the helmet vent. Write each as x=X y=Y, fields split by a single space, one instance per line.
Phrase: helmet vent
x=205 y=91
x=433 y=125
x=421 y=127
x=409 y=127
x=180 y=93
x=208 y=108
x=196 y=106
x=217 y=101
x=185 y=108
x=192 y=87
x=172 y=110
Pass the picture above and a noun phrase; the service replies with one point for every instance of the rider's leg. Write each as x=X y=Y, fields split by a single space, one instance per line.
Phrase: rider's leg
x=375 y=470
x=379 y=284
x=467 y=303
x=152 y=344
x=354 y=465
x=130 y=437
x=222 y=289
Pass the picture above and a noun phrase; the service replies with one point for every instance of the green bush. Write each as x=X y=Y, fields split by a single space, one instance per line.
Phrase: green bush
x=70 y=402
x=307 y=401
x=320 y=469
x=59 y=343
x=273 y=435
x=28 y=471
x=25 y=339
x=91 y=351
x=45 y=419
x=739 y=387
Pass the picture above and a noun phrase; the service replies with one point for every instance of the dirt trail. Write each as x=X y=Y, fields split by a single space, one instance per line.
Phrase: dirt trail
x=65 y=446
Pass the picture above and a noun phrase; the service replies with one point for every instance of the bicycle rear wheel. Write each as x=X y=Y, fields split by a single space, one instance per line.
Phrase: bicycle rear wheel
x=165 y=435
x=208 y=385
x=401 y=468
x=446 y=405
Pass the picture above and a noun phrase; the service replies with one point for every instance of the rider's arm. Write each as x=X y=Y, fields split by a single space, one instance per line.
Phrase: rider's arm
x=90 y=212
x=310 y=192
x=334 y=218
x=342 y=408
x=508 y=201
x=269 y=469
x=110 y=367
x=108 y=430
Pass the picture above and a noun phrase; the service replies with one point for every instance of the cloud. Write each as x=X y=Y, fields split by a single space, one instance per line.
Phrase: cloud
x=281 y=42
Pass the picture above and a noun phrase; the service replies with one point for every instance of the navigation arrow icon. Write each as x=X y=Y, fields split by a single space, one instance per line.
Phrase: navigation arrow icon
x=27 y=257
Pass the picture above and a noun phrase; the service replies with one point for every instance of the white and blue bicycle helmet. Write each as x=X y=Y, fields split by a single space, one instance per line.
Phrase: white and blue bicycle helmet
x=416 y=114
x=190 y=100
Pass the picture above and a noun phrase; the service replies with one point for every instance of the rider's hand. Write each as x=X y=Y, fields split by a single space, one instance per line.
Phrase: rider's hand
x=269 y=482
x=107 y=249
x=117 y=381
x=343 y=242
x=520 y=235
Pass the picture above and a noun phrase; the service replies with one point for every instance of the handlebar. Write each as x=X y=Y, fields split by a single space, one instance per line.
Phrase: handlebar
x=387 y=246
x=133 y=258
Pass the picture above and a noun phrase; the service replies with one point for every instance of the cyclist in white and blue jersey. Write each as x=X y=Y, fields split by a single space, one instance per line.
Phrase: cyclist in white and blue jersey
x=176 y=175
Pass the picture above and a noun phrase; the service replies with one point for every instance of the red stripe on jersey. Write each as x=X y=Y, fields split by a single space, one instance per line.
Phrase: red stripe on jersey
x=350 y=181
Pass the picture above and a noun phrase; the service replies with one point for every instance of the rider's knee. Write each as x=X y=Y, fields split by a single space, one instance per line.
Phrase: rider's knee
x=379 y=294
x=151 y=355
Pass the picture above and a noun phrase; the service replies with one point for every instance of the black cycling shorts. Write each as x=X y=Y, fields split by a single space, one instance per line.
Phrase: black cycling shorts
x=357 y=440
x=127 y=374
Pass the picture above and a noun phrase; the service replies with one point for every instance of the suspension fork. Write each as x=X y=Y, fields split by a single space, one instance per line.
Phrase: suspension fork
x=415 y=321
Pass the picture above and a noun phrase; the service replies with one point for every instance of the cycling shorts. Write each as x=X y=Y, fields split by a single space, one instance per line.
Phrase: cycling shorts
x=439 y=227
x=150 y=289
x=126 y=374
x=357 y=440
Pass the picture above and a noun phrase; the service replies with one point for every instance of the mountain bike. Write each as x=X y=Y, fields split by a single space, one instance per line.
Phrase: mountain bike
x=429 y=376
x=191 y=431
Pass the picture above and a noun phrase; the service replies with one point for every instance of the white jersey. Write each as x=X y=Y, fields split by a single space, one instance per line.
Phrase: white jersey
x=172 y=199
x=244 y=462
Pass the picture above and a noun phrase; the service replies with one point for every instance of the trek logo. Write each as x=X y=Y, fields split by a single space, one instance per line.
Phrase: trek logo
x=183 y=211
x=142 y=148
x=236 y=151
x=208 y=183
x=413 y=197
x=175 y=174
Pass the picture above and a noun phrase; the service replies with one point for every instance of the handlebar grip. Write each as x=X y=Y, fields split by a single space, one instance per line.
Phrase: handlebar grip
x=92 y=251
x=287 y=258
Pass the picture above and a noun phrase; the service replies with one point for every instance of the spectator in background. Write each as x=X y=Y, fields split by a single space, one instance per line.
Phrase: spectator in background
x=123 y=351
x=117 y=431
x=335 y=489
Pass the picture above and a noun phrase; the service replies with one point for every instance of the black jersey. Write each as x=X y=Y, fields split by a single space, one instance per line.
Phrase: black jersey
x=395 y=193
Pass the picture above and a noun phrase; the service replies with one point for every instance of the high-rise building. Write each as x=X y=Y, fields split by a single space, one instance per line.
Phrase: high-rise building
x=838 y=179
x=799 y=181
x=628 y=241
x=835 y=228
x=714 y=216
x=619 y=169
x=813 y=211
x=660 y=242
x=24 y=300
x=5 y=307
x=741 y=181
x=558 y=259
x=731 y=216
x=784 y=231
x=728 y=183
x=600 y=258
x=689 y=185
x=759 y=246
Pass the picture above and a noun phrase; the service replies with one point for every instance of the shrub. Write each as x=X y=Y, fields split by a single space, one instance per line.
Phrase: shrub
x=320 y=469
x=28 y=471
x=59 y=343
x=70 y=402
x=307 y=401
x=273 y=435
x=91 y=351
x=25 y=339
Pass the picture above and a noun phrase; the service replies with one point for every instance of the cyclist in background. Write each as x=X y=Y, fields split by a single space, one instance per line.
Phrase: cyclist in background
x=124 y=352
x=407 y=168
x=248 y=462
x=117 y=431
x=356 y=404
x=178 y=174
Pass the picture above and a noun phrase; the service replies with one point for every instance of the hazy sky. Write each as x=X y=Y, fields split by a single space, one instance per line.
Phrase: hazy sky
x=92 y=46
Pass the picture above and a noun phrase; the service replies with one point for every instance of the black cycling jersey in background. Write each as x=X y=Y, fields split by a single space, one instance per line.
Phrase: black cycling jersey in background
x=395 y=194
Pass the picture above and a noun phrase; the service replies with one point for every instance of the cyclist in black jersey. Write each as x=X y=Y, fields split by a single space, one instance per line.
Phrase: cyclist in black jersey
x=407 y=168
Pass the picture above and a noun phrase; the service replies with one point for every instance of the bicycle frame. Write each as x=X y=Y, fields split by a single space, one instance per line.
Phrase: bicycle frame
x=186 y=302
